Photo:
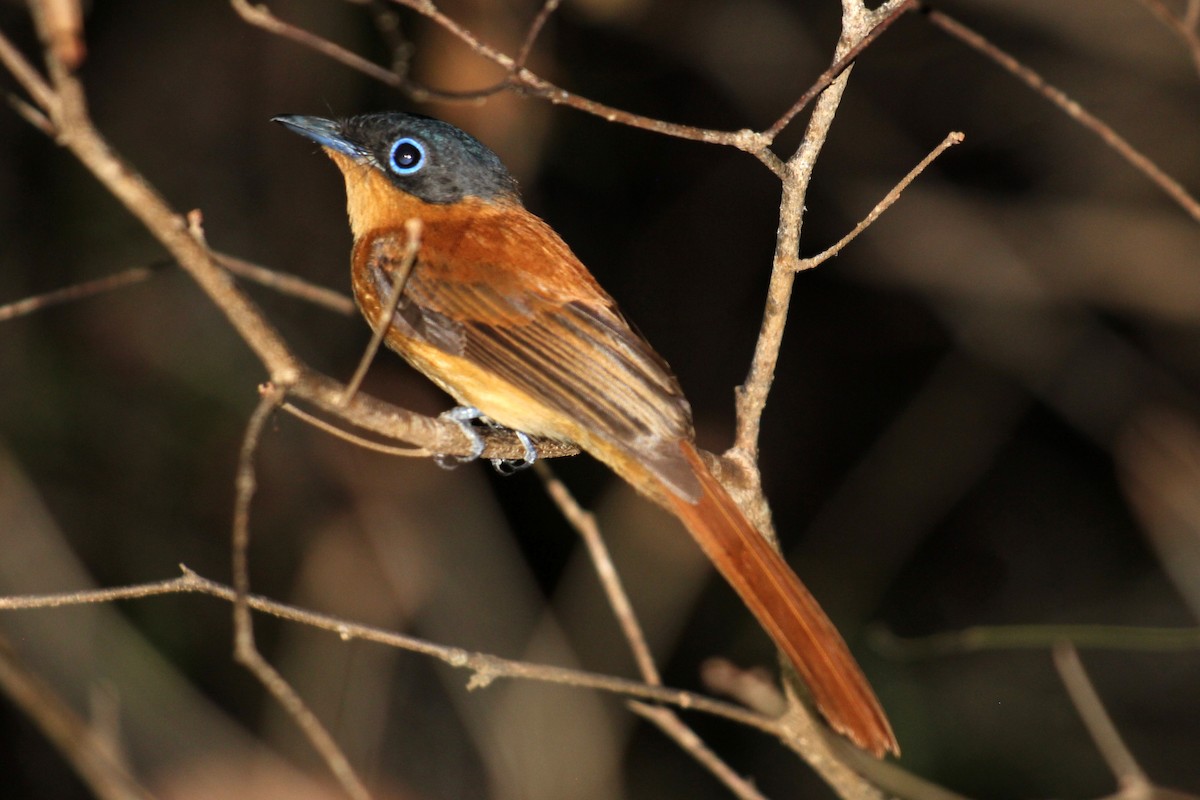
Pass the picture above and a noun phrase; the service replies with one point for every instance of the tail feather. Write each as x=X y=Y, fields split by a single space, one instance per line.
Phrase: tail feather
x=788 y=612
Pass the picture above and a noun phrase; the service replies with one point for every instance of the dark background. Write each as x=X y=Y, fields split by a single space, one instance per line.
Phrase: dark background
x=967 y=400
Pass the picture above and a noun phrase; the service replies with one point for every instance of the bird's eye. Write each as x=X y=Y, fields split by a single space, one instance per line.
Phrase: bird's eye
x=407 y=156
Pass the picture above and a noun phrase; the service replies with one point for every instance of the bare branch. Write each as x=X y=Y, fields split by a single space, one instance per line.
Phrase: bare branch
x=90 y=596
x=78 y=291
x=753 y=688
x=245 y=650
x=1091 y=710
x=401 y=425
x=287 y=284
x=670 y=724
x=412 y=244
x=71 y=735
x=27 y=75
x=281 y=282
x=485 y=668
x=752 y=395
x=883 y=205
x=261 y=17
x=1183 y=28
x=1036 y=637
x=359 y=441
x=519 y=78
x=245 y=484
x=668 y=721
x=535 y=30
x=585 y=525
x=1072 y=109
x=838 y=67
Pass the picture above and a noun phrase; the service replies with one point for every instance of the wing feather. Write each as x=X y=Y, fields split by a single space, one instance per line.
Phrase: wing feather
x=576 y=355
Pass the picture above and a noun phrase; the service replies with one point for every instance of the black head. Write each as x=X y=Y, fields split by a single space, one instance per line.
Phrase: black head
x=425 y=157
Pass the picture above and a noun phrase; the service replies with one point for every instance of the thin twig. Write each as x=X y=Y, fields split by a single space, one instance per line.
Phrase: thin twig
x=260 y=16
x=412 y=230
x=889 y=778
x=1163 y=13
x=87 y=754
x=245 y=650
x=1072 y=109
x=584 y=523
x=519 y=78
x=72 y=123
x=287 y=284
x=753 y=688
x=669 y=723
x=837 y=68
x=33 y=115
x=667 y=720
x=486 y=668
x=318 y=735
x=1035 y=637
x=847 y=769
x=359 y=441
x=535 y=30
x=883 y=205
x=1097 y=721
x=1183 y=28
x=107 y=595
x=245 y=484
x=79 y=291
x=850 y=770
x=279 y=281
x=27 y=76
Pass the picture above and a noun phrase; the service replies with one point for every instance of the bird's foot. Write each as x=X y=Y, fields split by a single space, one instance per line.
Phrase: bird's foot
x=509 y=466
x=463 y=416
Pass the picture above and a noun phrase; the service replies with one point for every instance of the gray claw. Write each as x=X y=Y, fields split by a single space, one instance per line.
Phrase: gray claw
x=462 y=416
x=507 y=466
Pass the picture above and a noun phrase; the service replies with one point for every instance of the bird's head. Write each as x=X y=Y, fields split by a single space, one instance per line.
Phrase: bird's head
x=391 y=158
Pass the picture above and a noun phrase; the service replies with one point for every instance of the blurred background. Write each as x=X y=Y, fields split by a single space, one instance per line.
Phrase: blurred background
x=985 y=411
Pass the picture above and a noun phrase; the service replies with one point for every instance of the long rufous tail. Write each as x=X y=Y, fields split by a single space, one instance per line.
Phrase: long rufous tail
x=788 y=612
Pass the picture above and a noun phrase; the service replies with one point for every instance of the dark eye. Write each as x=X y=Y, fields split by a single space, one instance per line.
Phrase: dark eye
x=407 y=156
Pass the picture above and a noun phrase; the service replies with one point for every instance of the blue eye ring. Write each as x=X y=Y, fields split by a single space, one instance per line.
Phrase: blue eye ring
x=406 y=156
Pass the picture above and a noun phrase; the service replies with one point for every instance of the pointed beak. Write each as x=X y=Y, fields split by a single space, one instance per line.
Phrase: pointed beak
x=325 y=132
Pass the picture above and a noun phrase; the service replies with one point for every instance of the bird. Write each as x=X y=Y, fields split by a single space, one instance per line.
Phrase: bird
x=499 y=312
